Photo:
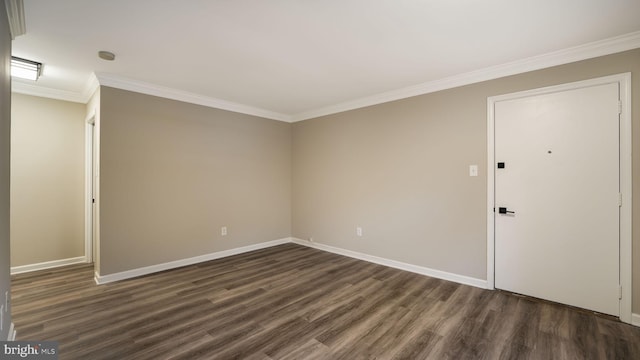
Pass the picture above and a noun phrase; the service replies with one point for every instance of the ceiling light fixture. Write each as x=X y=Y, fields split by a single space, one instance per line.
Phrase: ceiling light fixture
x=25 y=69
x=106 y=55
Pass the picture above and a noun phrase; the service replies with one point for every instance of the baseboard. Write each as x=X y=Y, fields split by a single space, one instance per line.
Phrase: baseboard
x=466 y=280
x=12 y=333
x=103 y=279
x=461 y=279
x=47 y=265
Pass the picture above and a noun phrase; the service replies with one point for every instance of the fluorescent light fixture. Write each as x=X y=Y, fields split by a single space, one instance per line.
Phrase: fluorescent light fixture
x=25 y=69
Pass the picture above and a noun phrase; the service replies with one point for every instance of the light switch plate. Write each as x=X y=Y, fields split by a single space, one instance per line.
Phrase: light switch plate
x=473 y=170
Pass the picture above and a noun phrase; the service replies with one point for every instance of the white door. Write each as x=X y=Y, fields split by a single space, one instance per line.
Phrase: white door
x=557 y=179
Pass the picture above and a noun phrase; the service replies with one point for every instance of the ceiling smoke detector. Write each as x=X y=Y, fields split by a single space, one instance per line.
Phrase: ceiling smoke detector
x=106 y=55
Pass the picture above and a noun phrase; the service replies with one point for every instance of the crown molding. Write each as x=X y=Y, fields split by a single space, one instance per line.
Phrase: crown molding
x=15 y=14
x=90 y=87
x=20 y=87
x=41 y=91
x=179 y=95
x=582 y=52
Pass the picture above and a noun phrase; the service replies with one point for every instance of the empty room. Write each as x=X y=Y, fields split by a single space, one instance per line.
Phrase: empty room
x=319 y=180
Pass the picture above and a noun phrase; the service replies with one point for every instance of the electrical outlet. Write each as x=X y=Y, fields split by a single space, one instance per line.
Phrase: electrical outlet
x=359 y=231
x=223 y=231
x=311 y=239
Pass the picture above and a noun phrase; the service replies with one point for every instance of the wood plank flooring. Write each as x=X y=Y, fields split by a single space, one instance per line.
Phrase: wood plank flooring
x=294 y=302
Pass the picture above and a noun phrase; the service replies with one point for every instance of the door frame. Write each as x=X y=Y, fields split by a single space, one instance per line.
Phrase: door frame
x=89 y=187
x=625 y=178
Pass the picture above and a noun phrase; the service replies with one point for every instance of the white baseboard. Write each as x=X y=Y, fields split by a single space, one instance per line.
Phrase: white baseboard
x=12 y=333
x=466 y=280
x=184 y=262
x=47 y=265
x=461 y=279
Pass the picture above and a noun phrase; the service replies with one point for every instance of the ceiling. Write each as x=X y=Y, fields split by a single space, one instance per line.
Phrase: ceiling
x=295 y=59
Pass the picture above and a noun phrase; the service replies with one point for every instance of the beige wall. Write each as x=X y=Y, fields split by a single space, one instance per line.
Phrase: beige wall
x=5 y=150
x=172 y=173
x=47 y=180
x=400 y=170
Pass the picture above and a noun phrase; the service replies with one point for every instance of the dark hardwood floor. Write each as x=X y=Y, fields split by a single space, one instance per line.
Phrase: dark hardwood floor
x=293 y=302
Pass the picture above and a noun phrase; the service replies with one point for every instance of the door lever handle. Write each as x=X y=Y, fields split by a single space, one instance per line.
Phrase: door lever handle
x=503 y=210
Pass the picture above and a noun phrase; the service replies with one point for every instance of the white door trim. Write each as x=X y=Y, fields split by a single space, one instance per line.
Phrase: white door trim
x=625 y=178
x=88 y=188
